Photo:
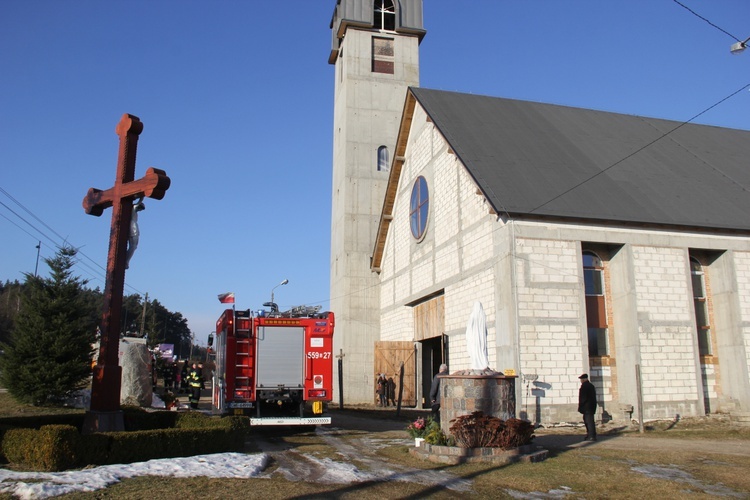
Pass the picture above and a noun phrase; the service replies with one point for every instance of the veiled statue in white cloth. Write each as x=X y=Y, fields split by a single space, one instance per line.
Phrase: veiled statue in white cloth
x=476 y=338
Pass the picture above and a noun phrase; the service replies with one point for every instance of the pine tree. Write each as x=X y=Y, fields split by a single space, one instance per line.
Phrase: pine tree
x=50 y=349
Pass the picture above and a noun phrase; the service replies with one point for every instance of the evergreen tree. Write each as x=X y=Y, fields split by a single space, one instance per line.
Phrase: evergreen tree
x=49 y=353
x=10 y=302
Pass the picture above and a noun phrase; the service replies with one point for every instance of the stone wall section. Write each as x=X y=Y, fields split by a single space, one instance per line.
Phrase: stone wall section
x=493 y=395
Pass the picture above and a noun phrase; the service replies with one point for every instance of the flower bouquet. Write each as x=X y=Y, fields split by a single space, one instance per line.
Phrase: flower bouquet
x=417 y=428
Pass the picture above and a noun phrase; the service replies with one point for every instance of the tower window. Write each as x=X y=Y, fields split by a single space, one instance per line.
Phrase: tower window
x=383 y=164
x=382 y=55
x=596 y=315
x=385 y=15
x=419 y=208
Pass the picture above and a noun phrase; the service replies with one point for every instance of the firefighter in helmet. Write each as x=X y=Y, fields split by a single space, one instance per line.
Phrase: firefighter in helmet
x=195 y=382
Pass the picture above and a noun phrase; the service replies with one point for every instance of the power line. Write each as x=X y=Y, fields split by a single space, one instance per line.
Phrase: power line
x=6 y=193
x=27 y=222
x=101 y=272
x=709 y=22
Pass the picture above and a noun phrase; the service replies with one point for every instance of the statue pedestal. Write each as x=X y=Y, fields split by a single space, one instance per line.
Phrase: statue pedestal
x=462 y=393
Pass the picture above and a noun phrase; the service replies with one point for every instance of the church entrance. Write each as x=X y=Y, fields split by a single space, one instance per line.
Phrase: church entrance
x=429 y=325
x=434 y=353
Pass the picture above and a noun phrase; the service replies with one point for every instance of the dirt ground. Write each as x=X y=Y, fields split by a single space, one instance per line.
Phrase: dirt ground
x=357 y=433
x=385 y=423
x=611 y=435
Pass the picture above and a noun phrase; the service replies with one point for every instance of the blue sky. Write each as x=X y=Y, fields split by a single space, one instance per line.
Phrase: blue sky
x=236 y=99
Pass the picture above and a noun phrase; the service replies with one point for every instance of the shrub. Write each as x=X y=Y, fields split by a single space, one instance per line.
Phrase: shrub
x=515 y=433
x=138 y=419
x=478 y=430
x=60 y=447
x=435 y=435
x=51 y=448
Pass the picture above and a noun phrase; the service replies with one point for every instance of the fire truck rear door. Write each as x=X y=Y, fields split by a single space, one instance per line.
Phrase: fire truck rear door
x=281 y=356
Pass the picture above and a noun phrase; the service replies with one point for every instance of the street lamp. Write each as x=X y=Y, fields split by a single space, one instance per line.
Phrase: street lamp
x=272 y=304
x=739 y=47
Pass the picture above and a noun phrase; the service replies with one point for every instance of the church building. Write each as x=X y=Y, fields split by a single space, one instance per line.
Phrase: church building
x=596 y=242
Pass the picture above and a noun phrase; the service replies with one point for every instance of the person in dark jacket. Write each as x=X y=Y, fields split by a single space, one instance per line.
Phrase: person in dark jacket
x=195 y=382
x=587 y=406
x=184 y=376
x=435 y=392
x=381 y=390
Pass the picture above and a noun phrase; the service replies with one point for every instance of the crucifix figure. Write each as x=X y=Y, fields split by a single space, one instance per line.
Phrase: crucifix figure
x=104 y=414
x=135 y=233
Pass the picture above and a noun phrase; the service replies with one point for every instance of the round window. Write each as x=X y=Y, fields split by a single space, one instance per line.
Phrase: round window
x=419 y=207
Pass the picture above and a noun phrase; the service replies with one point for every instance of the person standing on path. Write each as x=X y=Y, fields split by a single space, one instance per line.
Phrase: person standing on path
x=587 y=406
x=195 y=382
x=381 y=390
x=435 y=392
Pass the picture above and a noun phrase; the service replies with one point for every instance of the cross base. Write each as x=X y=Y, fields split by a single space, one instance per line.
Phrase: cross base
x=103 y=421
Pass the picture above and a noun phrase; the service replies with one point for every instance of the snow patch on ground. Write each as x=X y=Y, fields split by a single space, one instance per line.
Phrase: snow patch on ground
x=32 y=485
x=561 y=492
x=680 y=476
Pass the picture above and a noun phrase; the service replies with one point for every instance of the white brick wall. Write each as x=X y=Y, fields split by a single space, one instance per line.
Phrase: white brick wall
x=456 y=254
x=666 y=327
x=548 y=277
x=742 y=264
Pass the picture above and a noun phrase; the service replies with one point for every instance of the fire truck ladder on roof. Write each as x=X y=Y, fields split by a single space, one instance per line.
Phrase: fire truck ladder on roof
x=243 y=362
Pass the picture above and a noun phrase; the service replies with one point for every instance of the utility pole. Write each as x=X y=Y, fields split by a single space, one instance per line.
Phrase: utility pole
x=143 y=316
x=38 y=249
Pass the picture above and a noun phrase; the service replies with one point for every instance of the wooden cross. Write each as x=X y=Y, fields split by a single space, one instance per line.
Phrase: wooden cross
x=105 y=389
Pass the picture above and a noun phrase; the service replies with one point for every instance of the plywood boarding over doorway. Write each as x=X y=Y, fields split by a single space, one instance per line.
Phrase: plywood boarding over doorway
x=429 y=318
x=388 y=359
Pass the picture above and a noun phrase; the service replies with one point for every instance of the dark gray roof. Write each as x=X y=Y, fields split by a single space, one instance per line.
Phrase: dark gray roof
x=541 y=159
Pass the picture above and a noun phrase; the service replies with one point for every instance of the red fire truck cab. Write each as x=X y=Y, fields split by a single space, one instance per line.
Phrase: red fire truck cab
x=277 y=368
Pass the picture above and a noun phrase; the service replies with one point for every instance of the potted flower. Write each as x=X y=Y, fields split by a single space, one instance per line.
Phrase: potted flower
x=417 y=429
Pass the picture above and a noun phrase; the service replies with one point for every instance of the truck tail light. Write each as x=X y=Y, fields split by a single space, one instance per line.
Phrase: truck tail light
x=316 y=393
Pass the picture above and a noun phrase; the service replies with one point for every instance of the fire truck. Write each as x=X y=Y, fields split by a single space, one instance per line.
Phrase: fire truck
x=275 y=367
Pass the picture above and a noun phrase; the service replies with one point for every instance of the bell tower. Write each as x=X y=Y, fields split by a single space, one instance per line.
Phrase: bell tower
x=375 y=51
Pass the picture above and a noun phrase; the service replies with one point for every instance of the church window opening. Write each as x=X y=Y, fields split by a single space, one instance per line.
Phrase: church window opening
x=701 y=307
x=382 y=55
x=419 y=208
x=596 y=315
x=383 y=164
x=385 y=15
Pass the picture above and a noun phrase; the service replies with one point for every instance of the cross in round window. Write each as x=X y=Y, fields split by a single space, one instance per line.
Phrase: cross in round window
x=419 y=207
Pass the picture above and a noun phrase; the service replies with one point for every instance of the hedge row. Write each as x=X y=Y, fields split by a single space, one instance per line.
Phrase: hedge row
x=60 y=447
